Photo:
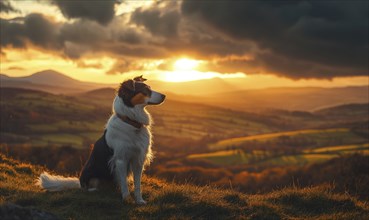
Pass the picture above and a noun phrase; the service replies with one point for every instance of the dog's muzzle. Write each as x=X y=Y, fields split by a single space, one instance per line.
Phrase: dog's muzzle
x=156 y=98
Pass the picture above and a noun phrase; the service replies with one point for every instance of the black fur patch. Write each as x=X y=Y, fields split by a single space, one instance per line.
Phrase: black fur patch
x=97 y=165
x=129 y=88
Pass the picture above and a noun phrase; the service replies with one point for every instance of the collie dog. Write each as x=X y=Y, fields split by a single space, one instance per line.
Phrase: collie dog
x=124 y=148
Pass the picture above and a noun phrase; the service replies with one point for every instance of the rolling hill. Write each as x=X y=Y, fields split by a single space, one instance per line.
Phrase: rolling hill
x=225 y=93
x=46 y=118
x=321 y=137
x=167 y=201
x=300 y=99
x=42 y=119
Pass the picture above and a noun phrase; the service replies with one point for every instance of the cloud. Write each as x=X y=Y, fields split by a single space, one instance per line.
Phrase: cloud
x=295 y=38
x=15 y=68
x=101 y=11
x=75 y=39
x=35 y=28
x=160 y=21
x=6 y=7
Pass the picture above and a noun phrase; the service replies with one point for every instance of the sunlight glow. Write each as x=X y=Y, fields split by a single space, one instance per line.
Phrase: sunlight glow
x=185 y=64
x=193 y=75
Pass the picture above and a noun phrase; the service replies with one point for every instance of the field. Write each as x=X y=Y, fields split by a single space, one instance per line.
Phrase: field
x=321 y=137
x=266 y=159
x=262 y=150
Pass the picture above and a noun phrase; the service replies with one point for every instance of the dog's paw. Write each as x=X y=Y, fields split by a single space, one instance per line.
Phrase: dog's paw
x=141 y=202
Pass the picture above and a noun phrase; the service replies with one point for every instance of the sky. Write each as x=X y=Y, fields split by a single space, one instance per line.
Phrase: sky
x=300 y=42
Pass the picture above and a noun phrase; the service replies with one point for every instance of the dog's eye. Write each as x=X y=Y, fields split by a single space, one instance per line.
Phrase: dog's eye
x=147 y=92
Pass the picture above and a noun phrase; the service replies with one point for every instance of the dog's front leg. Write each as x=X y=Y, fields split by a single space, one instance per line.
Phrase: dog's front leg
x=121 y=173
x=137 y=173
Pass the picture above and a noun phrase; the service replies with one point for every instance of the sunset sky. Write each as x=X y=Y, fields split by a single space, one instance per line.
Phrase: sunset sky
x=284 y=42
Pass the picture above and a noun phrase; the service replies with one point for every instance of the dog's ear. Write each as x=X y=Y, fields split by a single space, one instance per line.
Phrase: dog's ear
x=139 y=79
x=129 y=85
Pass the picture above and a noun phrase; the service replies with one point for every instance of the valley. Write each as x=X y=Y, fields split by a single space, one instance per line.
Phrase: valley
x=196 y=140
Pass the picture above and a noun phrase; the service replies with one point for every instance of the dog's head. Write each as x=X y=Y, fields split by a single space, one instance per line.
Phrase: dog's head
x=135 y=92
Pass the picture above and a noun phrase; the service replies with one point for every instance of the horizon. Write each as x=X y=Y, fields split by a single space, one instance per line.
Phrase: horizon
x=338 y=82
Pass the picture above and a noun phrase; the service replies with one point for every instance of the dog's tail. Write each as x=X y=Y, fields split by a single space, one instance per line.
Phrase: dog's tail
x=57 y=183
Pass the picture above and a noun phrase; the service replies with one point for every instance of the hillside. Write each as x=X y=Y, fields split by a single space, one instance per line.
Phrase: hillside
x=171 y=201
x=301 y=99
x=39 y=118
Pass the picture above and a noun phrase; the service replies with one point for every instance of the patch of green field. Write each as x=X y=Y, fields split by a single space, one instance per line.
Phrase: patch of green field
x=60 y=139
x=42 y=128
x=319 y=137
x=344 y=148
x=300 y=159
x=6 y=137
x=265 y=158
x=92 y=135
x=231 y=157
x=223 y=157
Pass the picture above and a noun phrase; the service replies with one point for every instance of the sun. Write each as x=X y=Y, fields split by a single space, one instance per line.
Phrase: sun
x=185 y=69
x=185 y=64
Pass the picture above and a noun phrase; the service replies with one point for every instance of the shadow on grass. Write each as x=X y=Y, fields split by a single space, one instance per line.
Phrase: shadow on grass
x=314 y=204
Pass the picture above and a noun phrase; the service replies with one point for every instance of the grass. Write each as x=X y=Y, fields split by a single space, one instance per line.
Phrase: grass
x=171 y=201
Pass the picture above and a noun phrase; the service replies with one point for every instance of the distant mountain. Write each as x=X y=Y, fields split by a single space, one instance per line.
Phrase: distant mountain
x=49 y=81
x=51 y=77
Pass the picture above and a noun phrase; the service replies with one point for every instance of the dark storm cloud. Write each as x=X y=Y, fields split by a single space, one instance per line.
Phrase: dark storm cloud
x=101 y=11
x=141 y=51
x=42 y=31
x=12 y=33
x=158 y=21
x=75 y=39
x=34 y=28
x=6 y=7
x=171 y=32
x=84 y=32
x=296 y=38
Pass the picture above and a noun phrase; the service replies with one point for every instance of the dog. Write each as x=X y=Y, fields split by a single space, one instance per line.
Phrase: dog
x=124 y=148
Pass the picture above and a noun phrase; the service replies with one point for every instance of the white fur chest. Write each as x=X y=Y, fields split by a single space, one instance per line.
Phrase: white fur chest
x=128 y=142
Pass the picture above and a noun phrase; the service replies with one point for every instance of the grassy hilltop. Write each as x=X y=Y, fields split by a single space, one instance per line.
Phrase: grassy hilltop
x=171 y=201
